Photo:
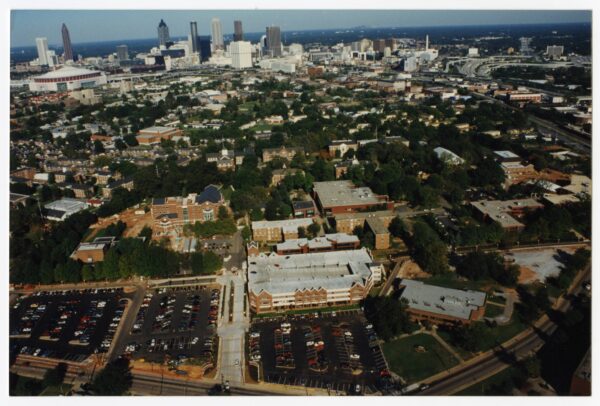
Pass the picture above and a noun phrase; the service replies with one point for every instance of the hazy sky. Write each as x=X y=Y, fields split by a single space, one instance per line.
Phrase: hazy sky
x=91 y=26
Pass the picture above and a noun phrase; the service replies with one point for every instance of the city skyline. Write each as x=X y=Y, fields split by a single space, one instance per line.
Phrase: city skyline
x=88 y=25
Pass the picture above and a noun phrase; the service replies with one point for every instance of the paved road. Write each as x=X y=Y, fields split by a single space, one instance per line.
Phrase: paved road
x=491 y=363
x=232 y=362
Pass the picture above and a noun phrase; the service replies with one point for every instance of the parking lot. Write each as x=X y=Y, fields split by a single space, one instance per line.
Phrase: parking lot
x=68 y=325
x=336 y=352
x=174 y=324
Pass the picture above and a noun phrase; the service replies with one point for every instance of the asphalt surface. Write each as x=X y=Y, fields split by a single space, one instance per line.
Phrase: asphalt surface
x=66 y=346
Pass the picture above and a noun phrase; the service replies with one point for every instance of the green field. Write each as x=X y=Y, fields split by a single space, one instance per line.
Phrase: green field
x=413 y=366
x=491 y=310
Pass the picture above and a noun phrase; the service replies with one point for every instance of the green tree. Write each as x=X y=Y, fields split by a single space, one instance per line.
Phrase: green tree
x=114 y=380
x=211 y=262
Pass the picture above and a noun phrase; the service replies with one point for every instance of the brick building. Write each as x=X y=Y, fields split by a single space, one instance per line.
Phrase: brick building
x=288 y=153
x=341 y=196
x=377 y=221
x=92 y=252
x=171 y=212
x=154 y=135
x=506 y=212
x=442 y=305
x=286 y=282
x=278 y=230
x=330 y=242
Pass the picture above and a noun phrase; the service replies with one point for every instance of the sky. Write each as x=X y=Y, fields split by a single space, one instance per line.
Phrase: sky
x=107 y=25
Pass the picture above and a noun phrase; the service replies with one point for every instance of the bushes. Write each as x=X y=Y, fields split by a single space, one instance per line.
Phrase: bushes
x=481 y=265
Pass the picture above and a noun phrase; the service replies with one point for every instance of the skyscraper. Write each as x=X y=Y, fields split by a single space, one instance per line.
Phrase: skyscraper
x=241 y=54
x=238 y=33
x=42 y=50
x=122 y=52
x=273 y=41
x=217 y=34
x=163 y=34
x=68 y=49
x=204 y=48
x=194 y=36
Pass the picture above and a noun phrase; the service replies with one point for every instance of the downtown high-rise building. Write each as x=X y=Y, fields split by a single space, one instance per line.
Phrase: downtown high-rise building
x=241 y=54
x=68 y=49
x=42 y=50
x=122 y=52
x=163 y=34
x=238 y=32
x=273 y=41
x=193 y=36
x=204 y=48
x=216 y=31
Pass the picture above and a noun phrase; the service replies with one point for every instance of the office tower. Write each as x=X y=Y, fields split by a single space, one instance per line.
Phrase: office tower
x=217 y=34
x=426 y=42
x=241 y=54
x=525 y=45
x=204 y=48
x=392 y=43
x=378 y=45
x=273 y=41
x=68 y=49
x=42 y=50
x=555 y=51
x=238 y=33
x=163 y=34
x=194 y=36
x=122 y=52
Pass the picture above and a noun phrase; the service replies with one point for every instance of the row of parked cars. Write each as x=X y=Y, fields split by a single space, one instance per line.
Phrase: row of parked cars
x=163 y=319
x=29 y=319
x=346 y=350
x=108 y=337
x=89 y=320
x=65 y=311
x=315 y=347
x=213 y=313
x=140 y=318
x=254 y=345
x=284 y=358
x=189 y=313
x=378 y=357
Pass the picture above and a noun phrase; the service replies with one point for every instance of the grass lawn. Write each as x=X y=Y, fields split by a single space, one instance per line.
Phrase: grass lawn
x=60 y=390
x=450 y=280
x=491 y=310
x=479 y=388
x=497 y=299
x=413 y=366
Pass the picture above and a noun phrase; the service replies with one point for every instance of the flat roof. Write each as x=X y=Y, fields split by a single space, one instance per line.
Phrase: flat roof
x=157 y=129
x=318 y=242
x=436 y=299
x=283 y=224
x=344 y=193
x=507 y=154
x=499 y=210
x=66 y=204
x=285 y=274
x=365 y=215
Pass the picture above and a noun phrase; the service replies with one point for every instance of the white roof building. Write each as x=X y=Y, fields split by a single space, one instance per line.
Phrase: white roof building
x=66 y=79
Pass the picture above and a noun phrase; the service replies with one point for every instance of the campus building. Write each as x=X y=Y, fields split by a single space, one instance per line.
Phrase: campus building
x=282 y=152
x=330 y=242
x=506 y=212
x=341 y=196
x=377 y=221
x=60 y=210
x=286 y=282
x=171 y=212
x=154 y=135
x=278 y=230
x=92 y=252
x=442 y=305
